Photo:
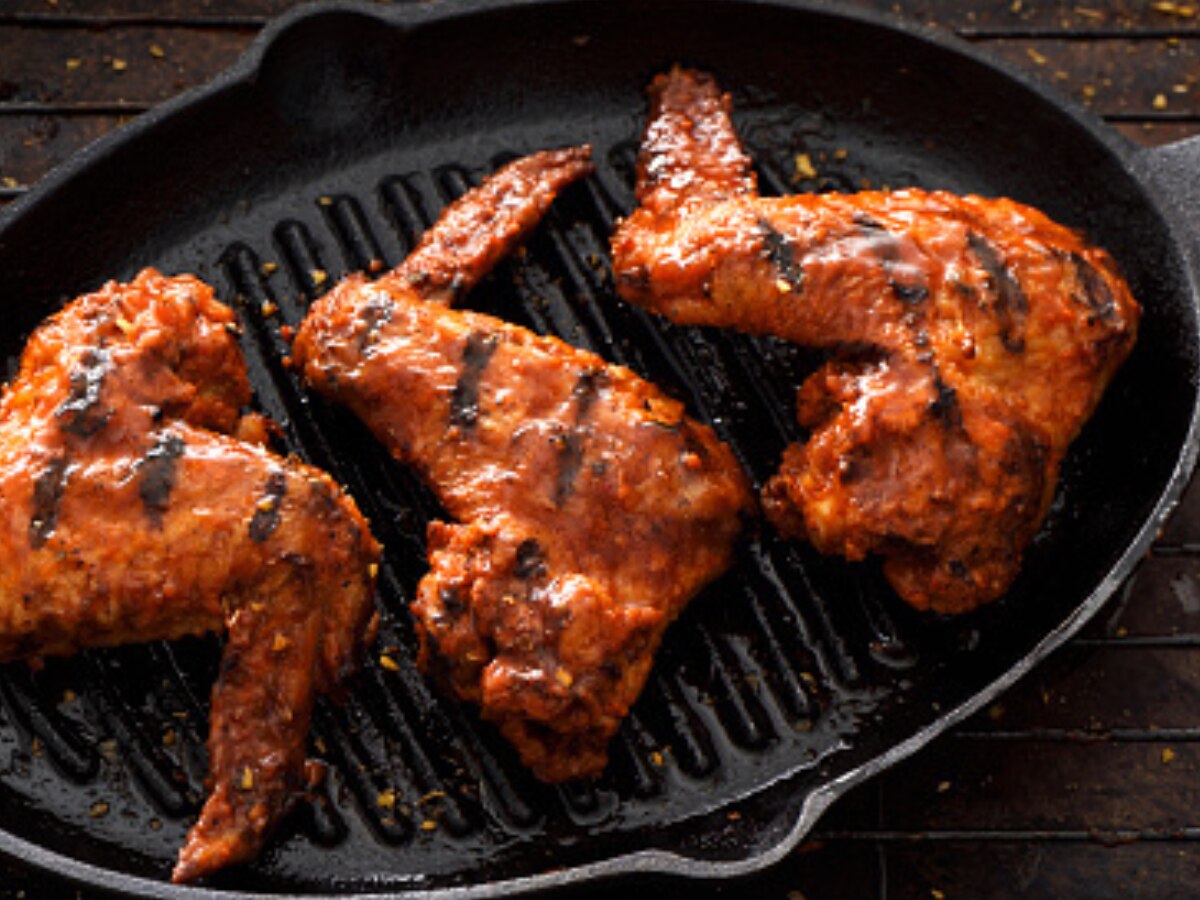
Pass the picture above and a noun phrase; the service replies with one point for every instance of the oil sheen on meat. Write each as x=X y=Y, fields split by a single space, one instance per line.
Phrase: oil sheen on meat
x=588 y=507
x=971 y=339
x=137 y=503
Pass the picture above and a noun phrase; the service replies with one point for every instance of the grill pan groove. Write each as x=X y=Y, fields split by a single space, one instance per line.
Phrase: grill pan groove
x=70 y=750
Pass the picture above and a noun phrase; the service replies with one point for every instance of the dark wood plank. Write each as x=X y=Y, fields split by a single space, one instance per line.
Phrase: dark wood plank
x=1157 y=133
x=135 y=66
x=1116 y=77
x=1036 y=870
x=1092 y=692
x=1160 y=600
x=1007 y=16
x=1066 y=788
x=187 y=10
x=30 y=146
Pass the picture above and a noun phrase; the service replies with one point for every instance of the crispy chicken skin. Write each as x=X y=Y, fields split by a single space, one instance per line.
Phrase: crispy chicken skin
x=589 y=507
x=131 y=511
x=972 y=339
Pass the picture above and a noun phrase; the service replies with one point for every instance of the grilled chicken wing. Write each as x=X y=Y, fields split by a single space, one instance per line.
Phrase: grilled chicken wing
x=590 y=508
x=131 y=511
x=972 y=339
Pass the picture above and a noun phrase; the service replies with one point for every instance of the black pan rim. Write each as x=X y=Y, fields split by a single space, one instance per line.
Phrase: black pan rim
x=246 y=69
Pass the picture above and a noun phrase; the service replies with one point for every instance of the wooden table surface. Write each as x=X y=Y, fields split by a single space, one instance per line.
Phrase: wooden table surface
x=1082 y=782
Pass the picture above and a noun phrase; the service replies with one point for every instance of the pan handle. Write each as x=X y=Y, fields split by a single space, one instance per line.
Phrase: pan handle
x=1174 y=172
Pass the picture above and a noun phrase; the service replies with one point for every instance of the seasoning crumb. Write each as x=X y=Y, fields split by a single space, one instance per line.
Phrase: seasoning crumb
x=428 y=825
x=1037 y=58
x=319 y=276
x=386 y=799
x=280 y=643
x=733 y=816
x=1159 y=101
x=269 y=268
x=943 y=786
x=269 y=308
x=325 y=200
x=1182 y=10
x=119 y=65
x=936 y=894
x=247 y=779
x=373 y=569
x=656 y=757
x=565 y=678
x=388 y=663
x=804 y=167
x=98 y=810
x=157 y=52
x=782 y=285
x=1167 y=755
x=74 y=63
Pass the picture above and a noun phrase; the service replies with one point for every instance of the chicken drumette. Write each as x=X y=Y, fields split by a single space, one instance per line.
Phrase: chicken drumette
x=590 y=508
x=972 y=339
x=138 y=504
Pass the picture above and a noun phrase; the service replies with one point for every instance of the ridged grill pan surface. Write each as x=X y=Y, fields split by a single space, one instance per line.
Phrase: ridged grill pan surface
x=333 y=144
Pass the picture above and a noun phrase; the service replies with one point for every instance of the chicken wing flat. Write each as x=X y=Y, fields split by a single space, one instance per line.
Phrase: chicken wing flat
x=972 y=339
x=589 y=507
x=138 y=504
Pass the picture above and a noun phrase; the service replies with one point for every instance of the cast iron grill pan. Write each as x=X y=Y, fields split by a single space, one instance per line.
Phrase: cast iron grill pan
x=330 y=148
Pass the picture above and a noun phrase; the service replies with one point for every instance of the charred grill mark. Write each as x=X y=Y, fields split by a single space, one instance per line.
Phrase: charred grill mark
x=570 y=460
x=47 y=495
x=377 y=311
x=1011 y=304
x=1096 y=294
x=570 y=445
x=81 y=412
x=531 y=560
x=452 y=602
x=156 y=473
x=266 y=516
x=909 y=294
x=782 y=256
x=587 y=389
x=464 y=401
x=908 y=283
x=944 y=406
